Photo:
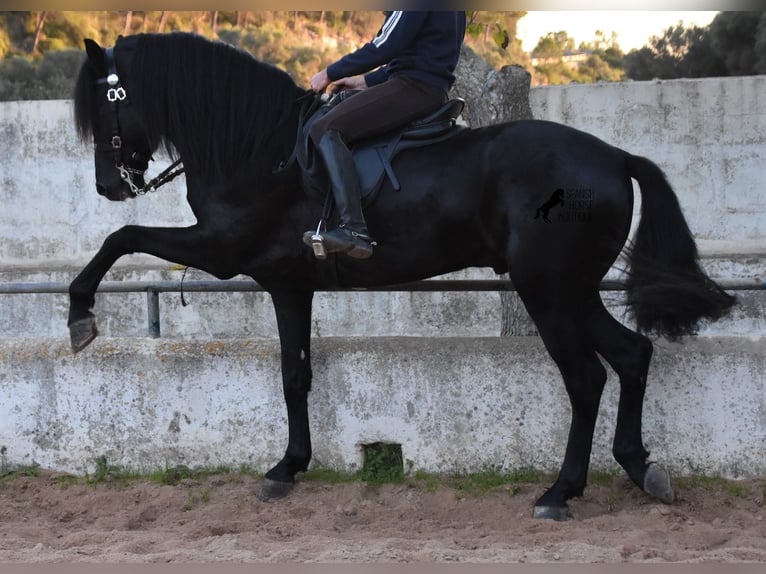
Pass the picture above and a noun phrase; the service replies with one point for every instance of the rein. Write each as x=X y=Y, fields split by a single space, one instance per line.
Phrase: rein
x=166 y=176
x=114 y=94
x=311 y=103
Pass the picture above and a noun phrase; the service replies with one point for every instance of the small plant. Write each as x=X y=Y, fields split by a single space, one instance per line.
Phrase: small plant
x=489 y=478
x=603 y=477
x=195 y=498
x=328 y=475
x=430 y=481
x=106 y=472
x=173 y=475
x=9 y=473
x=383 y=463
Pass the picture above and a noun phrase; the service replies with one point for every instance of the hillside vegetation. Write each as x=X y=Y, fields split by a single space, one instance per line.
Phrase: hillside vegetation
x=41 y=52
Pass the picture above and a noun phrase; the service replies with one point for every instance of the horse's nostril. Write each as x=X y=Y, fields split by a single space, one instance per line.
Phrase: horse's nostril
x=100 y=189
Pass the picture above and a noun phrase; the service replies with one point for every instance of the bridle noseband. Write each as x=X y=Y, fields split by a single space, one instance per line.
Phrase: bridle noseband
x=115 y=94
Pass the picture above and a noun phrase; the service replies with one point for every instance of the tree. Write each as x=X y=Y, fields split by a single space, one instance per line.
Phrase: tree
x=640 y=64
x=128 y=20
x=738 y=38
x=547 y=49
x=733 y=44
x=39 y=29
x=492 y=35
x=163 y=20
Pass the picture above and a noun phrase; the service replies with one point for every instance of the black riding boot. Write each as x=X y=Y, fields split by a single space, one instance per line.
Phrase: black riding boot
x=351 y=236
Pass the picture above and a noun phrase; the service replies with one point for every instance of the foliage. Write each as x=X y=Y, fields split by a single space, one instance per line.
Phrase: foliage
x=553 y=45
x=733 y=44
x=302 y=42
x=492 y=35
x=382 y=463
x=557 y=61
x=51 y=76
x=5 y=42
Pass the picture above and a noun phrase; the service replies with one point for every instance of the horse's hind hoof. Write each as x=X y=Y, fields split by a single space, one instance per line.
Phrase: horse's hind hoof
x=82 y=332
x=273 y=490
x=558 y=513
x=657 y=483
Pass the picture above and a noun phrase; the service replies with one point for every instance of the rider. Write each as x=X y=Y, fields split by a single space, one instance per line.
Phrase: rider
x=408 y=70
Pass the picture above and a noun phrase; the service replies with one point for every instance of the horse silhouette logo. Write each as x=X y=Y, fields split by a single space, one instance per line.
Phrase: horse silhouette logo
x=556 y=199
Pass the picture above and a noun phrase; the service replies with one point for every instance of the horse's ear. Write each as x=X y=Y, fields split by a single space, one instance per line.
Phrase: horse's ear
x=96 y=55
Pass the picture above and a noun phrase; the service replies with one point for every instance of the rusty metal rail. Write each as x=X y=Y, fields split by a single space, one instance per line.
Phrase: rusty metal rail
x=154 y=288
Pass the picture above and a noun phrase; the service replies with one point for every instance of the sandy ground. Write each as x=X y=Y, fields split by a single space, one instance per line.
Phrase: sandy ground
x=48 y=518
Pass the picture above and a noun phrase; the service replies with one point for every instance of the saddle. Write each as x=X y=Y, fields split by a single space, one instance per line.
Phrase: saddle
x=374 y=157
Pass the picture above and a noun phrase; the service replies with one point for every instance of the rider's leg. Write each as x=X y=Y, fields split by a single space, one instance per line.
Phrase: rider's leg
x=351 y=236
x=372 y=111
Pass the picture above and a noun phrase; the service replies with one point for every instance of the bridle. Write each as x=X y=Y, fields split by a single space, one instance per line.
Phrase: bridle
x=135 y=164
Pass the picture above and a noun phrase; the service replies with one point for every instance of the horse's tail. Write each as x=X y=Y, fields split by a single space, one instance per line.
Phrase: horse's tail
x=667 y=290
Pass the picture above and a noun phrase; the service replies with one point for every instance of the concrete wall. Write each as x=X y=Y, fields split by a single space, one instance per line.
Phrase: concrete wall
x=454 y=404
x=434 y=377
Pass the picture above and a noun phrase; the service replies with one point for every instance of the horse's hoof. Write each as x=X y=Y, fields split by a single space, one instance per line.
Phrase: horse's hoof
x=273 y=490
x=558 y=513
x=82 y=332
x=657 y=483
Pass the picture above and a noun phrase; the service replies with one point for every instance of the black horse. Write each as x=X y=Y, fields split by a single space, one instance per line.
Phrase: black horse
x=468 y=201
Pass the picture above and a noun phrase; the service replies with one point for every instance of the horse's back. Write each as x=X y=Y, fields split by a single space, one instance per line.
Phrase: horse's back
x=476 y=199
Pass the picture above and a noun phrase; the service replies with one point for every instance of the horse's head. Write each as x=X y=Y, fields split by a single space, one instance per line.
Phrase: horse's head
x=103 y=110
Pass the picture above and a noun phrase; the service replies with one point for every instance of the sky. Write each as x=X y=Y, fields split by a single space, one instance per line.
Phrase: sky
x=633 y=28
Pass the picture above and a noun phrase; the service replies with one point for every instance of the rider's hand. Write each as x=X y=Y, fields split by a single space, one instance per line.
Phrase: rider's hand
x=320 y=81
x=353 y=83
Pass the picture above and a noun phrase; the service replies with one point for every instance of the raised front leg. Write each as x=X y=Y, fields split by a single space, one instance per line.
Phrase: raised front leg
x=190 y=246
x=293 y=309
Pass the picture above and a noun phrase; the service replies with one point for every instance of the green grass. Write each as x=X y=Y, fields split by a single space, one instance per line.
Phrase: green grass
x=490 y=478
x=108 y=473
x=383 y=464
x=8 y=474
x=603 y=477
x=471 y=484
x=732 y=488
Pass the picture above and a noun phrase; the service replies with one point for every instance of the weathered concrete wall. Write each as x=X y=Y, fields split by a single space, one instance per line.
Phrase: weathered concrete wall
x=452 y=403
x=438 y=398
x=709 y=135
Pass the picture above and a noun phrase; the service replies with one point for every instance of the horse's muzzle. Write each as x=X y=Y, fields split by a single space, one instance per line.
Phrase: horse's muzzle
x=120 y=193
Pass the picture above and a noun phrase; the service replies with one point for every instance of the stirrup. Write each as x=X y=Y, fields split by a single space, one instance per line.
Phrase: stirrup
x=317 y=242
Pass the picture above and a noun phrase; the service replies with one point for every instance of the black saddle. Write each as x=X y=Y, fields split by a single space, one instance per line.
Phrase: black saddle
x=374 y=157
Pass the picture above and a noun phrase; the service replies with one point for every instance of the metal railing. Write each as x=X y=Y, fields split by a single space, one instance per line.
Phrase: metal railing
x=154 y=288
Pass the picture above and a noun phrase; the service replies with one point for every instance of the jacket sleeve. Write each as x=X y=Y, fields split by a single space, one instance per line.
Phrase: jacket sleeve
x=397 y=32
x=376 y=77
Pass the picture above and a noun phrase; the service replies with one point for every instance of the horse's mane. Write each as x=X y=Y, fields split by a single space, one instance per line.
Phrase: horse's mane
x=215 y=104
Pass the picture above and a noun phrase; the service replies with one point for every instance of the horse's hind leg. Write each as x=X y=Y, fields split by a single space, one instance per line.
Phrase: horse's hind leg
x=584 y=377
x=629 y=354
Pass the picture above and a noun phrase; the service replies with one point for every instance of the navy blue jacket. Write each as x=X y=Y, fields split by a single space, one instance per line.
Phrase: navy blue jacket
x=424 y=46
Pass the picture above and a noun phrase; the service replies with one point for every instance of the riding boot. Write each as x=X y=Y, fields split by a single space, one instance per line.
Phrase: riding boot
x=351 y=236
